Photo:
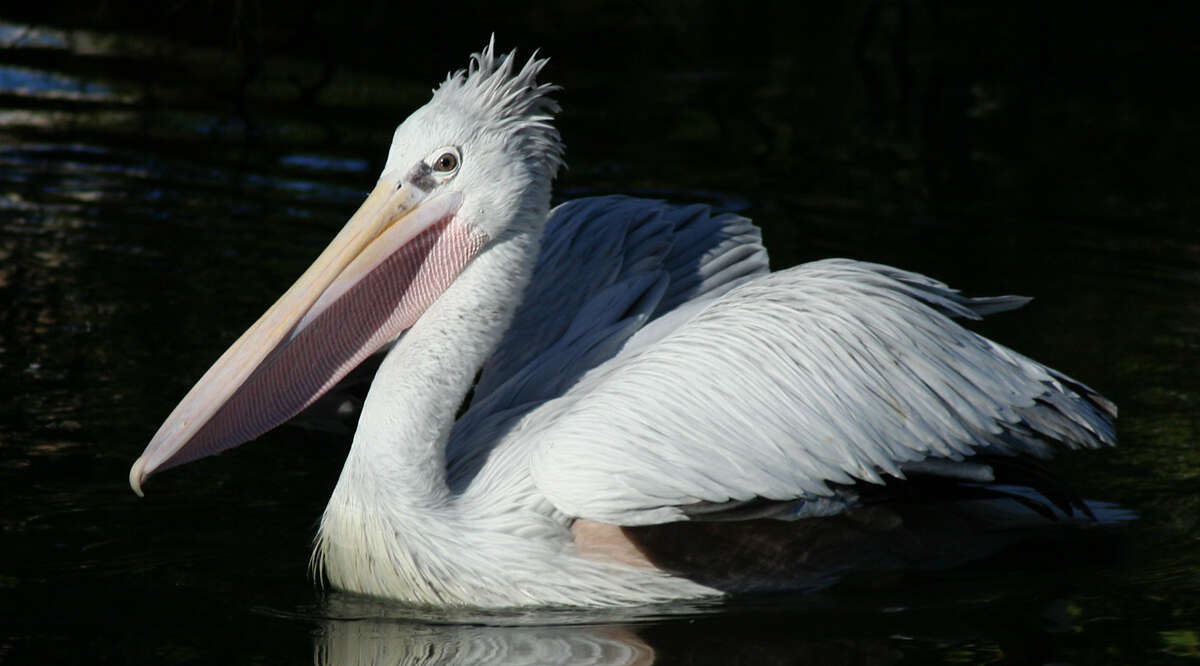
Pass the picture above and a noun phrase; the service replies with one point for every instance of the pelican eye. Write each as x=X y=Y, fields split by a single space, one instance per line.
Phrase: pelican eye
x=447 y=162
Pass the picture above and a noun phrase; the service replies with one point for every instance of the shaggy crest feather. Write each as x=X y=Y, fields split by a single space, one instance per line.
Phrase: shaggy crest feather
x=490 y=93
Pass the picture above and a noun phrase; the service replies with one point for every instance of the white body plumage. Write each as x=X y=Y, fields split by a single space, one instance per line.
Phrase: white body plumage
x=632 y=363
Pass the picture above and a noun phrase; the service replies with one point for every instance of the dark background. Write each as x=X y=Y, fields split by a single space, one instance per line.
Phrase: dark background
x=167 y=169
x=926 y=107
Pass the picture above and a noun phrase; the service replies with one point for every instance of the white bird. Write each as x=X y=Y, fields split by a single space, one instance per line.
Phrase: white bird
x=621 y=362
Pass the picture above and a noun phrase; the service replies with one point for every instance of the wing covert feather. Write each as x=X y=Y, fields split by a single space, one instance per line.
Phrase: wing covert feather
x=611 y=270
x=831 y=372
x=597 y=249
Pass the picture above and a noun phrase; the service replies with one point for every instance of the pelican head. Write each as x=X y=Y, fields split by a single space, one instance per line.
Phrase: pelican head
x=465 y=171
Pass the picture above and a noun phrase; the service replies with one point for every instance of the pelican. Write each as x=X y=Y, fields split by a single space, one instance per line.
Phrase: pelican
x=556 y=380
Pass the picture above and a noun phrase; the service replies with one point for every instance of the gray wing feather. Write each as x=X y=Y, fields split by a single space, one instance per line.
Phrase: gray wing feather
x=609 y=269
x=616 y=263
x=829 y=373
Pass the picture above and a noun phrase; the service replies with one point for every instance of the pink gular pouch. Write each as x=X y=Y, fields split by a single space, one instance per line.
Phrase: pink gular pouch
x=394 y=257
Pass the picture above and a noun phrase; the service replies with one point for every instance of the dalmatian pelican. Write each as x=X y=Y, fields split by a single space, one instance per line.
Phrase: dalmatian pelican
x=562 y=380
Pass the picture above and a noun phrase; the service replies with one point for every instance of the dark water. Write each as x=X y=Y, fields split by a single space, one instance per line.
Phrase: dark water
x=166 y=172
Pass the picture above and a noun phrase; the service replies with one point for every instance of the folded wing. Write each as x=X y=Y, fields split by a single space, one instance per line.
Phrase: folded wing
x=614 y=273
x=795 y=384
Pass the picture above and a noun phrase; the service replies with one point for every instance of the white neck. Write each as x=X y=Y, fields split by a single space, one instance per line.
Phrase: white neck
x=391 y=501
x=394 y=529
x=398 y=454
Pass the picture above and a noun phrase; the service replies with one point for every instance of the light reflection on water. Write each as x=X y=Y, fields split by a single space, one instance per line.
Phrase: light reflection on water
x=37 y=83
x=370 y=642
x=354 y=630
x=143 y=225
x=29 y=36
x=323 y=163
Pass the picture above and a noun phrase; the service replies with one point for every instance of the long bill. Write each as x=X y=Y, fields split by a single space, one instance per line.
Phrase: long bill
x=393 y=258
